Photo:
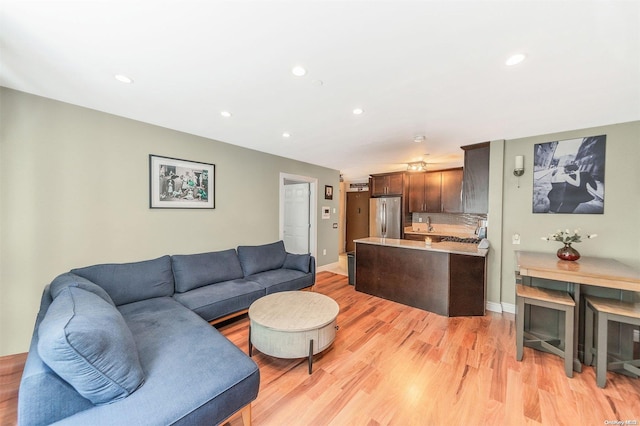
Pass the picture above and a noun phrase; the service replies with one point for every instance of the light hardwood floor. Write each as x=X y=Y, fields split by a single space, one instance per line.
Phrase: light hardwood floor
x=395 y=365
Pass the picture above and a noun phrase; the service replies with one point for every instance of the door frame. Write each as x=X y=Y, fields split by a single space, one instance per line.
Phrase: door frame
x=313 y=208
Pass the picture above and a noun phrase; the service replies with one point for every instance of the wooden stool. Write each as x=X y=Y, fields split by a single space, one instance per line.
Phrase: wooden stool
x=607 y=310
x=553 y=299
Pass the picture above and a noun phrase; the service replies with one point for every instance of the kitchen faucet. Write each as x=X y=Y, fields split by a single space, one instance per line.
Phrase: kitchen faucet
x=429 y=227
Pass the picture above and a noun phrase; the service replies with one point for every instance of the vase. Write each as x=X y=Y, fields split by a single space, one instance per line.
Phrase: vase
x=568 y=253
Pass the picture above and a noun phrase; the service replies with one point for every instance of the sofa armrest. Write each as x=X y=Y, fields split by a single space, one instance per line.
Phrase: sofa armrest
x=312 y=268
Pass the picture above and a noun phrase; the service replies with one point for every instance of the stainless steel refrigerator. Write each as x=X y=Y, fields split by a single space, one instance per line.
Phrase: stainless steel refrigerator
x=385 y=217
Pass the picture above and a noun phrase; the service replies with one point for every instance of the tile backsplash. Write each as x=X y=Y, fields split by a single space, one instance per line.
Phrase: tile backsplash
x=464 y=223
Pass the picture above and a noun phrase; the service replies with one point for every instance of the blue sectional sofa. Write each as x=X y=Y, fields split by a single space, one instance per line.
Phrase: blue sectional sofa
x=131 y=343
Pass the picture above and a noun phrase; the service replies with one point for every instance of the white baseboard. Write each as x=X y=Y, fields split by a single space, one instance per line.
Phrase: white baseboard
x=509 y=308
x=501 y=307
x=494 y=307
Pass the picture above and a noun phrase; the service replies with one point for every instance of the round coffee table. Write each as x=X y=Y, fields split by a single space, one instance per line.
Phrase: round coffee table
x=292 y=324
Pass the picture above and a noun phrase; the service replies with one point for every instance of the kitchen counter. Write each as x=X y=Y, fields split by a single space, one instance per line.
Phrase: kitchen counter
x=447 y=278
x=444 y=246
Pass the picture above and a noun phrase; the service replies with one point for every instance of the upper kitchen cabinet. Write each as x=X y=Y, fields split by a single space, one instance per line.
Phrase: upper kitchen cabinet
x=475 y=194
x=386 y=184
x=424 y=192
x=452 y=191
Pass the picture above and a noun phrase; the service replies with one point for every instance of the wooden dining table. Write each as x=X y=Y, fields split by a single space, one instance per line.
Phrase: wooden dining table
x=587 y=271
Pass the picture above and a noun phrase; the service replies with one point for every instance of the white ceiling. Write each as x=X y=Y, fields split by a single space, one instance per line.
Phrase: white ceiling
x=433 y=68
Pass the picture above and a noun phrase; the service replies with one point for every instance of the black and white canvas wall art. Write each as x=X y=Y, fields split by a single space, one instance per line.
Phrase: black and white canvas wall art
x=568 y=176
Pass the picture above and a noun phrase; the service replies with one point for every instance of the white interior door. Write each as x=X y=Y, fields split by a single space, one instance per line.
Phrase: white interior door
x=297 y=224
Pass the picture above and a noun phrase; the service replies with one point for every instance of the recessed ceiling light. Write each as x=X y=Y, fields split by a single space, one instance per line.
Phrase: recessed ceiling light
x=123 y=78
x=298 y=71
x=225 y=114
x=286 y=135
x=358 y=111
x=515 y=59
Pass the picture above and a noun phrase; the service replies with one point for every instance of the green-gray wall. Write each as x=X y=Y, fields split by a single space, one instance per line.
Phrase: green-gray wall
x=74 y=191
x=618 y=228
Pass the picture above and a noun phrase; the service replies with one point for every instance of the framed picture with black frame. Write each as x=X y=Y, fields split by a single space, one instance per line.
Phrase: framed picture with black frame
x=568 y=176
x=328 y=192
x=181 y=184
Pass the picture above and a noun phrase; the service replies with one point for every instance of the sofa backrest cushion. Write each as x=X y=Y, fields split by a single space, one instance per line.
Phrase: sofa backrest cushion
x=131 y=282
x=261 y=258
x=298 y=262
x=86 y=341
x=72 y=280
x=197 y=270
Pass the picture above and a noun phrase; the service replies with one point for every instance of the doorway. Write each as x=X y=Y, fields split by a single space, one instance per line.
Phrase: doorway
x=298 y=220
x=357 y=218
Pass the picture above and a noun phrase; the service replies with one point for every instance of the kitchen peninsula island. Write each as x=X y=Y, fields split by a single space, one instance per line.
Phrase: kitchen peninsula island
x=446 y=278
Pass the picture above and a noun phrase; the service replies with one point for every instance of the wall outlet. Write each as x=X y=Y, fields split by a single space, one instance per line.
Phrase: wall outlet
x=420 y=219
x=324 y=252
x=515 y=239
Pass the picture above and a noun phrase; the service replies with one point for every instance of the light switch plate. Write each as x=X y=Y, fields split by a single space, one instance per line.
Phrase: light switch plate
x=515 y=239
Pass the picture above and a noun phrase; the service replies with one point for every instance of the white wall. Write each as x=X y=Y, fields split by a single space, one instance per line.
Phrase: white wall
x=74 y=191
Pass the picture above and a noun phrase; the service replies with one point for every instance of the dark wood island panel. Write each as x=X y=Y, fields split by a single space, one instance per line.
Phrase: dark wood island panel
x=447 y=284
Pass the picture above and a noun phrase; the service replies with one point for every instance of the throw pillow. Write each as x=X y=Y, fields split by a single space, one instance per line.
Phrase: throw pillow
x=299 y=262
x=86 y=341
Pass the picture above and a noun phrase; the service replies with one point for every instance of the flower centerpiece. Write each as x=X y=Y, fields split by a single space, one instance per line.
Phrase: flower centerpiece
x=567 y=252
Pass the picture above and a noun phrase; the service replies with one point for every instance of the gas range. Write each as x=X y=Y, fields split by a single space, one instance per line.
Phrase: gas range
x=461 y=240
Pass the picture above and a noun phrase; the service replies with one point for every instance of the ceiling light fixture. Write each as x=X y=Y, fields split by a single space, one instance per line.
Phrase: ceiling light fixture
x=286 y=135
x=417 y=166
x=515 y=59
x=298 y=71
x=419 y=138
x=225 y=114
x=123 y=78
x=358 y=111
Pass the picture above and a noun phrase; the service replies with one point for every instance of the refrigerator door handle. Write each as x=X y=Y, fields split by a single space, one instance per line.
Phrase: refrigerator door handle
x=384 y=219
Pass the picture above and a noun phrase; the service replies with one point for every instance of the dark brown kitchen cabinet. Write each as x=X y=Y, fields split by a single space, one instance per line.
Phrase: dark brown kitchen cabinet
x=475 y=194
x=436 y=192
x=387 y=184
x=424 y=192
x=452 y=191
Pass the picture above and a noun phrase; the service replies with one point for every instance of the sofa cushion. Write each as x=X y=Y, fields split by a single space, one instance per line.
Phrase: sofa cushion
x=261 y=258
x=86 y=341
x=215 y=301
x=283 y=280
x=72 y=280
x=130 y=282
x=197 y=270
x=298 y=262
